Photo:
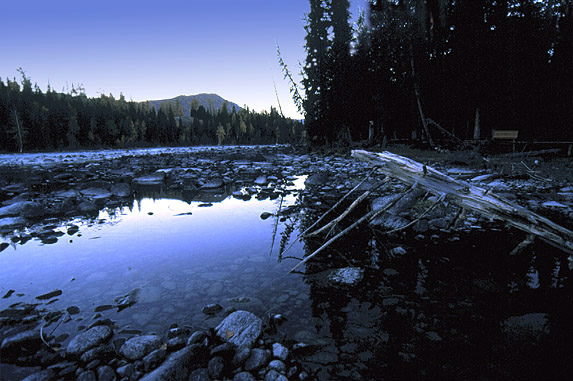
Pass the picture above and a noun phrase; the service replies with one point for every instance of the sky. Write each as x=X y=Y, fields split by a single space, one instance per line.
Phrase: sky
x=158 y=49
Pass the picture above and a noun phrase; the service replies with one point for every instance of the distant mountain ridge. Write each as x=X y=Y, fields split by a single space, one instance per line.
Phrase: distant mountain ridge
x=211 y=102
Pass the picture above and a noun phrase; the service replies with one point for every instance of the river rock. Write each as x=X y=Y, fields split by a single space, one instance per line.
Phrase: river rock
x=261 y=180
x=241 y=328
x=216 y=367
x=258 y=358
x=89 y=339
x=105 y=373
x=274 y=375
x=244 y=376
x=28 y=341
x=280 y=351
x=121 y=190
x=277 y=365
x=139 y=346
x=153 y=179
x=213 y=184
x=179 y=364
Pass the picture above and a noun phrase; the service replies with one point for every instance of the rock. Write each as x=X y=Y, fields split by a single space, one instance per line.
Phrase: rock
x=153 y=359
x=258 y=358
x=87 y=207
x=43 y=375
x=27 y=209
x=265 y=215
x=241 y=328
x=176 y=343
x=280 y=351
x=244 y=376
x=126 y=371
x=216 y=367
x=87 y=375
x=96 y=194
x=179 y=364
x=196 y=337
x=319 y=178
x=49 y=295
x=106 y=373
x=201 y=374
x=212 y=309
x=213 y=184
x=347 y=276
x=273 y=375
x=530 y=328
x=139 y=346
x=277 y=365
x=121 y=190
x=89 y=339
x=261 y=180
x=241 y=355
x=27 y=341
x=153 y=179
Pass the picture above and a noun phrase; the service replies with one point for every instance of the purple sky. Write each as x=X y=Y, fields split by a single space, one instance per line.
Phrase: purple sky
x=158 y=49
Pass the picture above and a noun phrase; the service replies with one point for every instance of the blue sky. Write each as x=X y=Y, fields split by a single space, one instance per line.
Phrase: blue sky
x=158 y=49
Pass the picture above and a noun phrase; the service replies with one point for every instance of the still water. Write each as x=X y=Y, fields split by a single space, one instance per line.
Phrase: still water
x=450 y=305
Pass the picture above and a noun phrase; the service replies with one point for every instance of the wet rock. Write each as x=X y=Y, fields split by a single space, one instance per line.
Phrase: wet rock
x=274 y=375
x=126 y=371
x=21 y=343
x=280 y=351
x=87 y=207
x=261 y=180
x=121 y=190
x=212 y=309
x=201 y=374
x=153 y=359
x=89 y=339
x=346 y=276
x=12 y=222
x=258 y=358
x=43 y=375
x=96 y=194
x=241 y=328
x=216 y=367
x=139 y=346
x=106 y=373
x=49 y=295
x=530 y=328
x=277 y=365
x=87 y=375
x=196 y=337
x=244 y=376
x=265 y=215
x=319 y=178
x=179 y=364
x=213 y=184
x=153 y=179
x=26 y=209
x=241 y=355
x=176 y=343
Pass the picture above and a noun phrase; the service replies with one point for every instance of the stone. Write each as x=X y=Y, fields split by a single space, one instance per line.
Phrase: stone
x=212 y=309
x=153 y=359
x=87 y=375
x=261 y=180
x=216 y=367
x=28 y=341
x=244 y=376
x=273 y=375
x=201 y=374
x=139 y=346
x=179 y=364
x=280 y=351
x=106 y=373
x=241 y=328
x=153 y=179
x=121 y=190
x=348 y=276
x=87 y=207
x=46 y=374
x=89 y=339
x=258 y=359
x=196 y=337
x=213 y=184
x=241 y=355
x=277 y=365
x=176 y=343
x=126 y=371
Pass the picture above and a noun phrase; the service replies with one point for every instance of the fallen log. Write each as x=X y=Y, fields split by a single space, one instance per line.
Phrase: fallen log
x=469 y=197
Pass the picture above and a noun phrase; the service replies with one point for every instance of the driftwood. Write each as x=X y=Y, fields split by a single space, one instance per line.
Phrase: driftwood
x=469 y=197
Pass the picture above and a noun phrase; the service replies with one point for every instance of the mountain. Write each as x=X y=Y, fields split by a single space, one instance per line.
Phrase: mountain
x=209 y=101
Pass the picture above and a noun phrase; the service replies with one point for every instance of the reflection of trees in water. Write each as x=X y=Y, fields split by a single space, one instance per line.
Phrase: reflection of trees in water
x=439 y=310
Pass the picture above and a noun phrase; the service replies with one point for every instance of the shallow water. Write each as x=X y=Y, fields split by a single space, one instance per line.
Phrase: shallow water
x=444 y=306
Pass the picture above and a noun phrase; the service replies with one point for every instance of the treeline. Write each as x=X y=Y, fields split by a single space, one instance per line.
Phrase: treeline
x=32 y=120
x=497 y=64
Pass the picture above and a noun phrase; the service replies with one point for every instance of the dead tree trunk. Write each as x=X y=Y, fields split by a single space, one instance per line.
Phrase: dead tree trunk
x=469 y=197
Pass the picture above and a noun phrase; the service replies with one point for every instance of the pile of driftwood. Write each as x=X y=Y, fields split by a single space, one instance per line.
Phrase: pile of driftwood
x=468 y=197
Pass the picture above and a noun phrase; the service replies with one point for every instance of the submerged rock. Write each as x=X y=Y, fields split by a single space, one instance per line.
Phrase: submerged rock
x=348 y=276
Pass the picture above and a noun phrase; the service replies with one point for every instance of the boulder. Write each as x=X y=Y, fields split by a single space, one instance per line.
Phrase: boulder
x=89 y=339
x=241 y=328
x=139 y=346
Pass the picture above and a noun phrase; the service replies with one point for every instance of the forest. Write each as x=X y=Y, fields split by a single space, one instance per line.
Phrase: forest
x=32 y=120
x=497 y=64
x=401 y=69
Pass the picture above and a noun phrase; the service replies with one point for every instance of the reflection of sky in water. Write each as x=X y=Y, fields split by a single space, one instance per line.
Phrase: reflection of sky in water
x=156 y=243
